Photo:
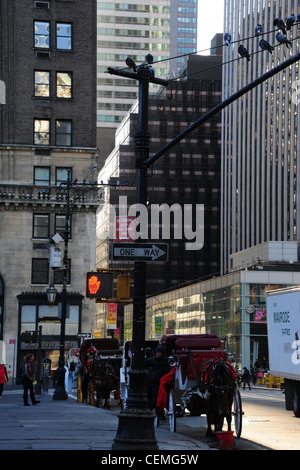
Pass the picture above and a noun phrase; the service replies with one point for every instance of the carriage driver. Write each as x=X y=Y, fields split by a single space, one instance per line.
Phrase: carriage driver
x=158 y=367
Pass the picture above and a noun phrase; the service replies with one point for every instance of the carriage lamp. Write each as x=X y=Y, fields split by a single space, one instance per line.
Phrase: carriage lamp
x=51 y=294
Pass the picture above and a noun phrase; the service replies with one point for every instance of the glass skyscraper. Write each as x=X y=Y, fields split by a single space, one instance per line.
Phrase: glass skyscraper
x=163 y=28
x=261 y=152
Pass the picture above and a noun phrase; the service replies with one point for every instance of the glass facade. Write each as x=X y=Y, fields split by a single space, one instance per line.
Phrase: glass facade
x=235 y=312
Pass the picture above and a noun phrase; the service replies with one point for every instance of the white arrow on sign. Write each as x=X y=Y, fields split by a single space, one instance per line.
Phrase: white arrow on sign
x=153 y=252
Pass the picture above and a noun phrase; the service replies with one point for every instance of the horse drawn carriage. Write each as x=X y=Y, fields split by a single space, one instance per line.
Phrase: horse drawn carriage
x=201 y=381
x=126 y=365
x=99 y=371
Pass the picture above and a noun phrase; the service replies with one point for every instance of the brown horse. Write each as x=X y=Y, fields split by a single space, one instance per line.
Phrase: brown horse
x=104 y=380
x=221 y=386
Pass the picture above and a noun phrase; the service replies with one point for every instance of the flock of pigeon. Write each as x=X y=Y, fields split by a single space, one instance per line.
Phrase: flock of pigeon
x=280 y=36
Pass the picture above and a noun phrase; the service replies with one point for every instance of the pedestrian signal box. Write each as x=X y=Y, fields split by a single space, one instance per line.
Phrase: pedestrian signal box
x=99 y=285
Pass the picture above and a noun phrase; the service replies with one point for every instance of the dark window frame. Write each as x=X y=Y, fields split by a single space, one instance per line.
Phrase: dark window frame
x=40 y=276
x=59 y=37
x=67 y=87
x=68 y=135
x=36 y=85
x=35 y=35
x=35 y=226
x=36 y=133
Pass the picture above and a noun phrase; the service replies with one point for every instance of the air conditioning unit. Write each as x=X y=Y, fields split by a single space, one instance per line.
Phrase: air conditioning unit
x=42 y=5
x=42 y=54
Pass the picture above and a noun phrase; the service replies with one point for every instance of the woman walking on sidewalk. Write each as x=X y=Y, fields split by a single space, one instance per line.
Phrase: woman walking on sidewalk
x=27 y=380
x=3 y=377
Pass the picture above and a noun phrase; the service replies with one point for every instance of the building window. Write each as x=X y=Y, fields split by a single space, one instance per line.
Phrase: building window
x=42 y=34
x=59 y=274
x=60 y=221
x=64 y=36
x=41 y=176
x=41 y=226
x=64 y=85
x=40 y=271
x=61 y=175
x=41 y=132
x=63 y=133
x=41 y=84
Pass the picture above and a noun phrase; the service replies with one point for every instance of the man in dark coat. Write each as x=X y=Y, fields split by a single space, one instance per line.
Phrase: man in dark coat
x=158 y=367
x=27 y=380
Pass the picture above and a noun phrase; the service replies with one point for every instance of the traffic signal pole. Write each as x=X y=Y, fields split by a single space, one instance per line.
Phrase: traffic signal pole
x=136 y=421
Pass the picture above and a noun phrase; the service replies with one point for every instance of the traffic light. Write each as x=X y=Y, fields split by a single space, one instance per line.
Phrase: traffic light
x=99 y=285
x=123 y=286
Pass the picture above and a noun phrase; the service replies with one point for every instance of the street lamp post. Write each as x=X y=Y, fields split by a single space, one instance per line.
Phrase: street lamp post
x=136 y=421
x=60 y=392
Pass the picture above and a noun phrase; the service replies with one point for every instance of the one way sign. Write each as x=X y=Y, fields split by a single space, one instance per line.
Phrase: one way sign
x=140 y=251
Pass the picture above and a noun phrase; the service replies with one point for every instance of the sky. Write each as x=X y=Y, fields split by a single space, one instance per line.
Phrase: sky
x=211 y=13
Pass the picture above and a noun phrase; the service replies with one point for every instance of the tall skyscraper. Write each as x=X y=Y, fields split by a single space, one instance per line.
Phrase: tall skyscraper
x=261 y=149
x=163 y=28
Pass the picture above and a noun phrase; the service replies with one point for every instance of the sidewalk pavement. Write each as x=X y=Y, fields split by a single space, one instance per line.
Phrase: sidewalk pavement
x=69 y=425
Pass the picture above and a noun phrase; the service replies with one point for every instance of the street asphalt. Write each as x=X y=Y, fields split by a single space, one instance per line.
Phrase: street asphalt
x=69 y=425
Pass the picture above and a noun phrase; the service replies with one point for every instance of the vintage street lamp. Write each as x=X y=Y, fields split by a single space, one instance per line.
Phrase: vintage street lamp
x=51 y=294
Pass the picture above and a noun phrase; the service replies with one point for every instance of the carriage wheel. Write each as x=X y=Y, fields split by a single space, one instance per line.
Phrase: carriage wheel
x=172 y=411
x=238 y=413
x=79 y=390
x=91 y=394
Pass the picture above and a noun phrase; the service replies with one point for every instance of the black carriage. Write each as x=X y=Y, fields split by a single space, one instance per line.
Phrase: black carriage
x=99 y=374
x=126 y=365
x=192 y=357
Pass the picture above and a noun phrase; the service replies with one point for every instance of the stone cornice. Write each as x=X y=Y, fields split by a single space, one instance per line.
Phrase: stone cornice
x=30 y=197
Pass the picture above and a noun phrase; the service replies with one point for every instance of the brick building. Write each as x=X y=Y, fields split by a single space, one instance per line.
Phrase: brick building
x=47 y=132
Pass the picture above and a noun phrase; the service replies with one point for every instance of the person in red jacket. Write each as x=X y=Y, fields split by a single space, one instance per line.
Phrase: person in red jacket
x=3 y=377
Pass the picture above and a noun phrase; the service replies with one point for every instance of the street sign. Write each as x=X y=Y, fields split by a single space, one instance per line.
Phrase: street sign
x=140 y=252
x=84 y=335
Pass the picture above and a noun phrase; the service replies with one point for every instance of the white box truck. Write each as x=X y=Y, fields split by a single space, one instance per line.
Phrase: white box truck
x=283 y=317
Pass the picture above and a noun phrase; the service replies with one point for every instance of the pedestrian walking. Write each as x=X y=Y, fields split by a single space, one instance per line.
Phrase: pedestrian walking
x=3 y=377
x=246 y=378
x=254 y=374
x=28 y=373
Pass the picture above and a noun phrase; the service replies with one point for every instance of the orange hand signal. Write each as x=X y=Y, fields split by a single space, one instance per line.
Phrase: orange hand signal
x=94 y=284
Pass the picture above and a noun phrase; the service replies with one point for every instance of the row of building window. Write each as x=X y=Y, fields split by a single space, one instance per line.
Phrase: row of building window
x=63 y=132
x=63 y=35
x=42 y=175
x=40 y=272
x=41 y=225
x=42 y=84
x=131 y=7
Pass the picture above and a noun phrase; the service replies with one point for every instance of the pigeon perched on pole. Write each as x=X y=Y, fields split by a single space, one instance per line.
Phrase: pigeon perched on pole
x=283 y=39
x=227 y=39
x=130 y=63
x=243 y=52
x=266 y=46
x=280 y=24
x=290 y=21
x=259 y=30
x=149 y=59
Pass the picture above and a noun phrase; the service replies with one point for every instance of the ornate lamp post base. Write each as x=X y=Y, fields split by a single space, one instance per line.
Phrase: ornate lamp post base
x=135 y=431
x=136 y=421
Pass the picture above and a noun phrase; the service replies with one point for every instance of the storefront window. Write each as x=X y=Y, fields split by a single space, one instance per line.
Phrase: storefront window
x=28 y=318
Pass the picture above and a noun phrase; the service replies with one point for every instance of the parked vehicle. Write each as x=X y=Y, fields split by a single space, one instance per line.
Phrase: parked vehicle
x=283 y=318
x=99 y=372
